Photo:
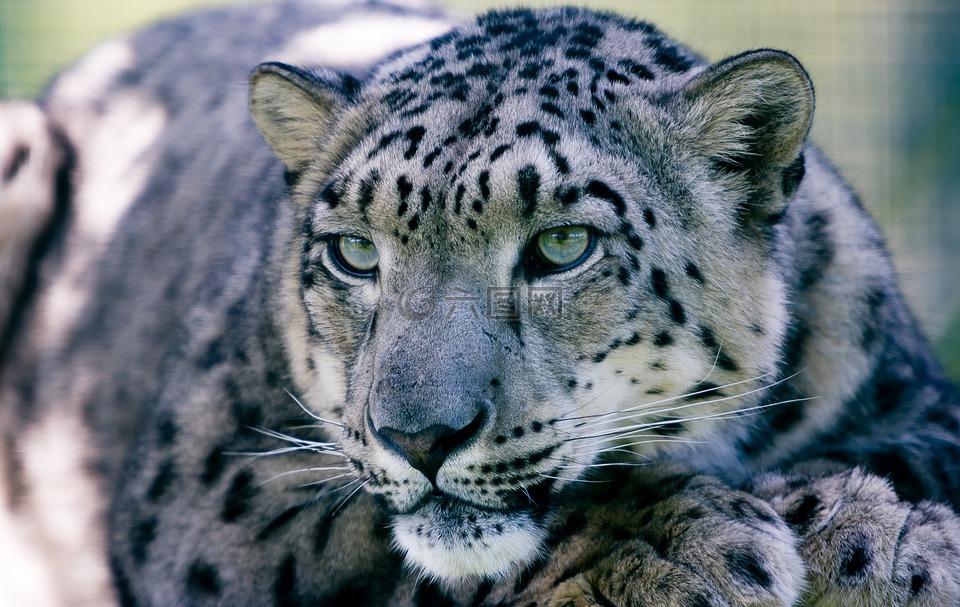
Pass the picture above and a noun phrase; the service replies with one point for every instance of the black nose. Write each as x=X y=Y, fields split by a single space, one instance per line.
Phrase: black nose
x=427 y=449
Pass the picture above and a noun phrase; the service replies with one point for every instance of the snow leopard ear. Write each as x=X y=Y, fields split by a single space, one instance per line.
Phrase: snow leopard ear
x=751 y=114
x=294 y=108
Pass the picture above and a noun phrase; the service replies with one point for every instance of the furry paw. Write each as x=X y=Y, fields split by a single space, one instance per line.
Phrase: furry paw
x=670 y=540
x=863 y=546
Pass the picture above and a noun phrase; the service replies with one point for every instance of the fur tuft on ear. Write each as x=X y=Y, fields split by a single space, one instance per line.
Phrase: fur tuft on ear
x=751 y=114
x=294 y=108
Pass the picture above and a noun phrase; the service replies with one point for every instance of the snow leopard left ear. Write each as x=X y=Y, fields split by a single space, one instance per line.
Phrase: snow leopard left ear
x=751 y=114
x=294 y=108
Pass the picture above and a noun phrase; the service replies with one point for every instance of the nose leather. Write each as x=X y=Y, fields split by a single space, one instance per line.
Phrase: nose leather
x=427 y=449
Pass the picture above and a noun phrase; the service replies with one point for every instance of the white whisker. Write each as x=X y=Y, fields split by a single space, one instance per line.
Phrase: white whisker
x=311 y=413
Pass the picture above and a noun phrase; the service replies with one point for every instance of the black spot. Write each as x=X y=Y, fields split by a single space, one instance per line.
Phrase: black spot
x=472 y=223
x=483 y=590
x=600 y=599
x=617 y=77
x=280 y=521
x=637 y=69
x=20 y=157
x=404 y=187
x=560 y=161
x=792 y=176
x=213 y=465
x=458 y=198
x=918 y=581
x=600 y=357
x=429 y=594
x=633 y=339
x=214 y=353
x=550 y=91
x=121 y=584
x=528 y=184
x=203 y=580
x=649 y=217
x=161 y=482
x=748 y=567
x=425 y=198
x=680 y=317
x=429 y=158
x=526 y=129
x=856 y=562
x=662 y=339
x=499 y=151
x=518 y=432
x=668 y=56
x=530 y=71
x=658 y=280
x=567 y=196
x=694 y=272
x=484 y=182
x=285 y=586
x=367 y=188
x=588 y=116
x=802 y=514
x=141 y=537
x=552 y=108
x=166 y=431
x=707 y=337
x=321 y=535
x=598 y=189
x=238 y=497
x=821 y=252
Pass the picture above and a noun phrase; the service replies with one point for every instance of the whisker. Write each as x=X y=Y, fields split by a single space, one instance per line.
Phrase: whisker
x=671 y=398
x=633 y=430
x=715 y=360
x=311 y=413
x=347 y=499
x=572 y=480
x=310 y=444
x=341 y=488
x=643 y=413
x=303 y=470
x=591 y=401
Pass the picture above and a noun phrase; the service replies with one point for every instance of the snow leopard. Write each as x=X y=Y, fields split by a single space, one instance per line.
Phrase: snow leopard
x=362 y=304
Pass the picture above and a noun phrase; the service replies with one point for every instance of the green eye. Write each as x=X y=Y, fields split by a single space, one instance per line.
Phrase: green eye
x=561 y=248
x=355 y=255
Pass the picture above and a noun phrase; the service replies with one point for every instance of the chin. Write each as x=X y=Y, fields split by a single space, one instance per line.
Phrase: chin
x=450 y=540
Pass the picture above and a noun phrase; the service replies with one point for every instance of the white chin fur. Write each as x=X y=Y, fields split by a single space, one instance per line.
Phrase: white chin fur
x=453 y=542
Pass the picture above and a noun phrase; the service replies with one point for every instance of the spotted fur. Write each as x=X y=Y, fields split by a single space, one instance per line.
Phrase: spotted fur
x=723 y=401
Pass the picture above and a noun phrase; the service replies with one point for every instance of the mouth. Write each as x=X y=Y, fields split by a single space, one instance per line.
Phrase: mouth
x=451 y=539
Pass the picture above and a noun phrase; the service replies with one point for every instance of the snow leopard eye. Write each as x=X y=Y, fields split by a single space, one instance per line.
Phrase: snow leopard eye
x=355 y=255
x=562 y=248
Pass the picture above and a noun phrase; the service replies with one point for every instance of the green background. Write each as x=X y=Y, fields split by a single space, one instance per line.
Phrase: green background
x=887 y=74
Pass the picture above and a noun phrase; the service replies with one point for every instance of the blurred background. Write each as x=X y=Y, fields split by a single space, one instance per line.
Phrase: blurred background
x=887 y=74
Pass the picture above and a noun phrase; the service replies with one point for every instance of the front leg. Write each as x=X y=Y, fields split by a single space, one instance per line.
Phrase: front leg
x=658 y=536
x=865 y=547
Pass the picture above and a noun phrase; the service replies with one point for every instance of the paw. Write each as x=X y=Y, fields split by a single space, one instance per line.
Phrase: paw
x=669 y=540
x=864 y=547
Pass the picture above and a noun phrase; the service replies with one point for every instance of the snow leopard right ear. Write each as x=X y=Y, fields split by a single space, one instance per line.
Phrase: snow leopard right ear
x=750 y=115
x=294 y=108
